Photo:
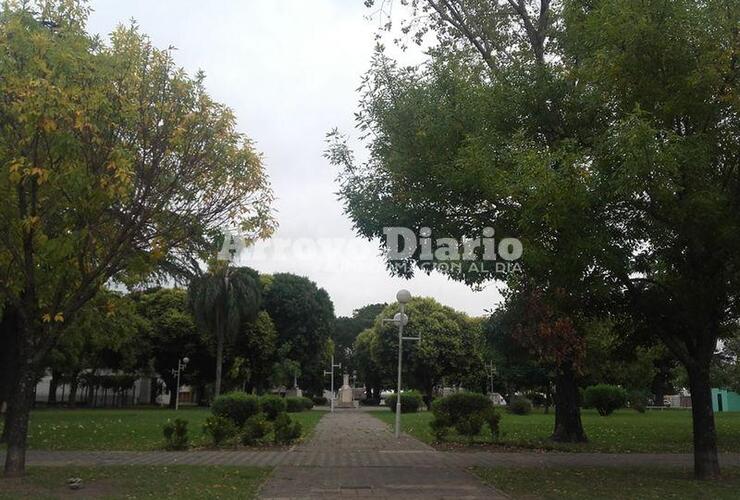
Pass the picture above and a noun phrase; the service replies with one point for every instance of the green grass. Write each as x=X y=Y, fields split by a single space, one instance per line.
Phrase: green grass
x=606 y=483
x=130 y=429
x=138 y=481
x=622 y=432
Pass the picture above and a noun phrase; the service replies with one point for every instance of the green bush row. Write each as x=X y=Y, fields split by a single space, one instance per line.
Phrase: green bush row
x=410 y=402
x=240 y=406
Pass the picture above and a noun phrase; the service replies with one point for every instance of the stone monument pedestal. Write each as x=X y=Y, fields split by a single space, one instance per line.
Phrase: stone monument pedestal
x=346 y=396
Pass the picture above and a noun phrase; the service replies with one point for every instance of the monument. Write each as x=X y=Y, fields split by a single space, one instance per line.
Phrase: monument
x=346 y=395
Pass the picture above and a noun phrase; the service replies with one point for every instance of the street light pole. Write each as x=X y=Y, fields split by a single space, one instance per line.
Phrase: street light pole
x=181 y=364
x=403 y=297
x=332 y=380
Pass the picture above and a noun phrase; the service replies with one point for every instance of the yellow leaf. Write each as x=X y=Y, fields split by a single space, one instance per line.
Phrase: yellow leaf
x=59 y=318
x=46 y=318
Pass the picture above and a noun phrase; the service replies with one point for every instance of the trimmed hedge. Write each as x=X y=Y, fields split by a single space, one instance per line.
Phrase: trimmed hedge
x=410 y=402
x=466 y=412
x=520 y=406
x=236 y=406
x=605 y=398
x=294 y=404
x=272 y=406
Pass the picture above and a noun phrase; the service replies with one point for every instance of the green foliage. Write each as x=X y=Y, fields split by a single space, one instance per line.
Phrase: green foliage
x=255 y=429
x=410 y=402
x=307 y=403
x=319 y=400
x=272 y=406
x=176 y=434
x=466 y=412
x=219 y=429
x=450 y=346
x=236 y=406
x=286 y=431
x=296 y=405
x=605 y=398
x=638 y=400
x=519 y=406
x=303 y=315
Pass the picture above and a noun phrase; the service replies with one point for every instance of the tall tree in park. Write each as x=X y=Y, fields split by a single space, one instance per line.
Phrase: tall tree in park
x=223 y=300
x=486 y=134
x=449 y=350
x=303 y=315
x=115 y=165
x=169 y=334
x=627 y=114
x=346 y=330
x=254 y=354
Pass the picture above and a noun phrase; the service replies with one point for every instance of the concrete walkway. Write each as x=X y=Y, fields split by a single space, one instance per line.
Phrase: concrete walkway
x=357 y=454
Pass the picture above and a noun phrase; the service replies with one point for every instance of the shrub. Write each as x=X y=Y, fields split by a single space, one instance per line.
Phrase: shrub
x=176 y=434
x=638 y=400
x=236 y=406
x=520 y=406
x=536 y=398
x=410 y=402
x=605 y=398
x=256 y=428
x=370 y=402
x=466 y=412
x=272 y=406
x=286 y=431
x=319 y=400
x=294 y=405
x=219 y=429
x=307 y=403
x=492 y=418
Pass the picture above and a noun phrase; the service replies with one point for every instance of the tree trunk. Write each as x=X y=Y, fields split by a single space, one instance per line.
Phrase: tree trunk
x=706 y=462
x=74 y=384
x=568 y=426
x=16 y=422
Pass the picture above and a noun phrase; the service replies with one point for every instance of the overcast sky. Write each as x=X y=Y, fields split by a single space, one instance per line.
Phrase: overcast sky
x=289 y=69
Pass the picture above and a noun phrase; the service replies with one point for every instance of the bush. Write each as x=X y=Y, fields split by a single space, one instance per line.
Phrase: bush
x=219 y=429
x=176 y=434
x=467 y=412
x=236 y=406
x=492 y=418
x=520 y=406
x=410 y=402
x=639 y=400
x=256 y=428
x=272 y=406
x=536 y=398
x=605 y=398
x=286 y=431
x=307 y=403
x=319 y=400
x=371 y=402
x=295 y=405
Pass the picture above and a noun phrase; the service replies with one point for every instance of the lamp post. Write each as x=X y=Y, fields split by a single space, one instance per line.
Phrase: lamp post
x=332 y=380
x=400 y=319
x=181 y=364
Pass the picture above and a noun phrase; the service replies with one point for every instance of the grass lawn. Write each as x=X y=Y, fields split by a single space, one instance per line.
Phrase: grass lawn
x=624 y=431
x=129 y=429
x=138 y=481
x=605 y=482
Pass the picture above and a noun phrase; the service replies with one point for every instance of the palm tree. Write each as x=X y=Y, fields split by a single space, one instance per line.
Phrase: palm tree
x=222 y=300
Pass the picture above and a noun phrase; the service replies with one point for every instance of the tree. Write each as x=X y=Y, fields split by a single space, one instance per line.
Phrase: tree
x=304 y=318
x=374 y=375
x=116 y=166
x=666 y=154
x=255 y=352
x=347 y=329
x=170 y=335
x=223 y=300
x=449 y=349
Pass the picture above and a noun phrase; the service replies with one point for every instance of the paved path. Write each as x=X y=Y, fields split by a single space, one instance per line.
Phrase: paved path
x=358 y=451
x=353 y=454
